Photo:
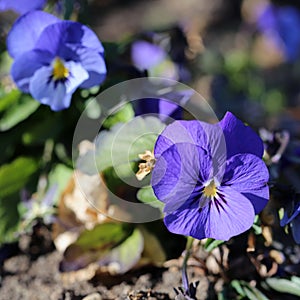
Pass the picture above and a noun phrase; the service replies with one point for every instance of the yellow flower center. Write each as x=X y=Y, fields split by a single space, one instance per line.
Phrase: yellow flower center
x=59 y=69
x=210 y=190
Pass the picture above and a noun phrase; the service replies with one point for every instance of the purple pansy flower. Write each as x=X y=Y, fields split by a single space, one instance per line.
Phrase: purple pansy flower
x=154 y=59
x=210 y=177
x=280 y=25
x=169 y=107
x=21 y=6
x=146 y=55
x=54 y=57
x=292 y=219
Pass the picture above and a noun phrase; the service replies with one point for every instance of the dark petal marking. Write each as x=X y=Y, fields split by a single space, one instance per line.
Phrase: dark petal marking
x=218 y=201
x=57 y=81
x=222 y=197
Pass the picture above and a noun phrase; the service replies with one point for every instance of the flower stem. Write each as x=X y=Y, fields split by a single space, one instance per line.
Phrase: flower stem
x=187 y=253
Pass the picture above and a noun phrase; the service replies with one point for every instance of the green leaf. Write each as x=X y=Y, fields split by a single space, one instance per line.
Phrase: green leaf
x=146 y=195
x=295 y=279
x=244 y=289
x=253 y=293
x=123 y=115
x=237 y=286
x=68 y=6
x=212 y=244
x=9 y=219
x=94 y=244
x=15 y=175
x=122 y=258
x=221 y=296
x=92 y=107
x=102 y=235
x=257 y=229
x=9 y=99
x=43 y=128
x=120 y=146
x=236 y=61
x=284 y=286
x=167 y=66
x=153 y=250
x=60 y=175
x=18 y=112
x=274 y=101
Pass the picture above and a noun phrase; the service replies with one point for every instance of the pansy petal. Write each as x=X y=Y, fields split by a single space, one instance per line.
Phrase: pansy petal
x=296 y=229
x=209 y=137
x=92 y=61
x=77 y=75
x=146 y=106
x=172 y=103
x=187 y=220
x=67 y=32
x=168 y=109
x=221 y=221
x=178 y=172
x=161 y=108
x=191 y=132
x=229 y=218
x=21 y=6
x=47 y=91
x=146 y=55
x=279 y=24
x=26 y=64
x=239 y=137
x=26 y=31
x=248 y=174
x=287 y=218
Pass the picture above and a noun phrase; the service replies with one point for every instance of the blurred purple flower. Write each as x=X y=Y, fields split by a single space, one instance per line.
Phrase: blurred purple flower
x=54 y=57
x=169 y=107
x=210 y=177
x=281 y=25
x=21 y=6
x=154 y=59
x=146 y=55
x=292 y=217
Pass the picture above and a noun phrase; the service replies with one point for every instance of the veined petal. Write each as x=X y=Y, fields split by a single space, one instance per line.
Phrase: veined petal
x=248 y=174
x=26 y=31
x=26 y=64
x=235 y=216
x=187 y=221
x=191 y=132
x=179 y=173
x=239 y=137
x=209 y=137
x=219 y=221
x=67 y=32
